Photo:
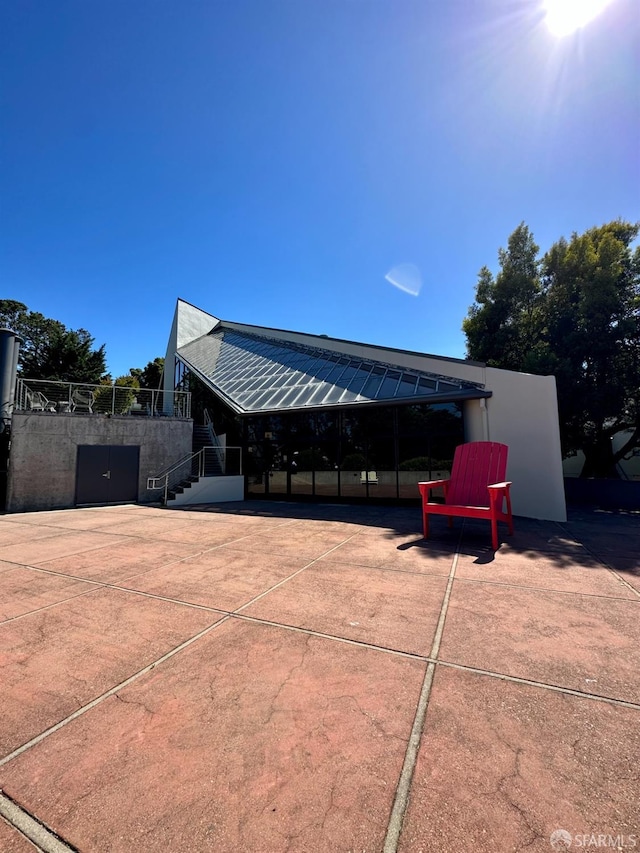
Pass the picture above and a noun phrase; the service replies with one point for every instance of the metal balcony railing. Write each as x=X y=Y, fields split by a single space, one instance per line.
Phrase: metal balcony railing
x=43 y=395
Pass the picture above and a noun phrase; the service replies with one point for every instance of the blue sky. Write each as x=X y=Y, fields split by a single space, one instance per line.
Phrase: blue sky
x=271 y=161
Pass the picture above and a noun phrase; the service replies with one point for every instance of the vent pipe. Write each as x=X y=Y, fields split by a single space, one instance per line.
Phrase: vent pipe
x=9 y=352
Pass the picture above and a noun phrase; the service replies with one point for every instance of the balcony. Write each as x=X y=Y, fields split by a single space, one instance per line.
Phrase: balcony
x=43 y=395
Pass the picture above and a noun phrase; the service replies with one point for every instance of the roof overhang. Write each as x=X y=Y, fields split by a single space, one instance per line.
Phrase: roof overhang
x=260 y=373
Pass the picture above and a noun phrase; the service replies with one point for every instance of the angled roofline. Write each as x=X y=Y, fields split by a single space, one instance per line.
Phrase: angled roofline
x=442 y=397
x=265 y=329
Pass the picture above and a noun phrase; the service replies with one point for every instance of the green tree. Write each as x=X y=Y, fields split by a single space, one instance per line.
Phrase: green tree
x=151 y=375
x=49 y=350
x=503 y=327
x=581 y=323
x=116 y=396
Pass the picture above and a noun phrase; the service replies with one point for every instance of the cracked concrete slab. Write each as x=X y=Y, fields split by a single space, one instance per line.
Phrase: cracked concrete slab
x=298 y=541
x=12 y=841
x=390 y=609
x=175 y=528
x=397 y=550
x=502 y=766
x=256 y=738
x=545 y=571
x=225 y=578
x=124 y=559
x=24 y=590
x=16 y=533
x=56 y=660
x=61 y=543
x=583 y=642
x=136 y=723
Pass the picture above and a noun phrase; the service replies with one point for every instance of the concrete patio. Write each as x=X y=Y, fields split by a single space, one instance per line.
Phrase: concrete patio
x=285 y=677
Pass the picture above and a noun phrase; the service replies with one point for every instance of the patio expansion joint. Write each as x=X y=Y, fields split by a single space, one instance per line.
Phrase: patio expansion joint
x=403 y=789
x=438 y=662
x=209 y=608
x=333 y=637
x=103 y=585
x=224 y=617
x=44 y=607
x=291 y=576
x=549 y=589
x=30 y=827
x=121 y=588
x=609 y=568
x=397 y=571
x=540 y=685
x=79 y=712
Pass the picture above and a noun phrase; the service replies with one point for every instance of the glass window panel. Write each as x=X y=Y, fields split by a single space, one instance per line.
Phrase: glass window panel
x=426 y=386
x=389 y=385
x=427 y=438
x=290 y=398
x=291 y=378
x=357 y=383
x=347 y=396
x=381 y=454
x=323 y=371
x=317 y=394
x=259 y=399
x=347 y=374
x=372 y=385
x=335 y=374
x=407 y=385
x=336 y=394
x=353 y=453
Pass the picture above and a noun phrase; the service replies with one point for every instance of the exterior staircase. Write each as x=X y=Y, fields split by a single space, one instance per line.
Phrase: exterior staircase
x=202 y=437
x=205 y=475
x=209 y=466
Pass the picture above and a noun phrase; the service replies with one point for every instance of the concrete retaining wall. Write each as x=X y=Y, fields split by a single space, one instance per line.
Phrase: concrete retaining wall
x=44 y=449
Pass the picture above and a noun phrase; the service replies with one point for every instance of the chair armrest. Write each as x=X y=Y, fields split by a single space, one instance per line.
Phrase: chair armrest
x=500 y=485
x=426 y=487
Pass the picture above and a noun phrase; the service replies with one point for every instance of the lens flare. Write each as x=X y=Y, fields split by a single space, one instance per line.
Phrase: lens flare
x=405 y=277
x=564 y=17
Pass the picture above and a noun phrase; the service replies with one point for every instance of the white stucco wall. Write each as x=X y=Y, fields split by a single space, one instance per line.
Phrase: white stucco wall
x=523 y=413
x=188 y=324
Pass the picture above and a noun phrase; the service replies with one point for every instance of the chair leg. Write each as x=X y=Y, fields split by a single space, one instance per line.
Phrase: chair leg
x=510 y=521
x=494 y=533
x=425 y=524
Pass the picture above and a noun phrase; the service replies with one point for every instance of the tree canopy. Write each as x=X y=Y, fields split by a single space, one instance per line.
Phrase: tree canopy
x=49 y=350
x=151 y=375
x=574 y=313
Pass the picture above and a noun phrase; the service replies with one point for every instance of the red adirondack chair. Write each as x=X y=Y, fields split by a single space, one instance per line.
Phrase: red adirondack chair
x=475 y=488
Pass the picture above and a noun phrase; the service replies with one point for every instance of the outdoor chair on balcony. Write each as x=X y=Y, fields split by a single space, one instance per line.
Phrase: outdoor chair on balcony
x=476 y=488
x=37 y=402
x=82 y=400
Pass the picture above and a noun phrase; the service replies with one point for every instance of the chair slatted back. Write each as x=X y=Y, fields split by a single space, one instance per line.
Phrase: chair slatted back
x=476 y=465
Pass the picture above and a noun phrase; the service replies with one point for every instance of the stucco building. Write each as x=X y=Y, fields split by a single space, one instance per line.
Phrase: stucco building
x=320 y=418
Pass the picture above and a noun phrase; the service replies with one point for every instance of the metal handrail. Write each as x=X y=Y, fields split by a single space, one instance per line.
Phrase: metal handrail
x=170 y=470
x=46 y=395
x=192 y=464
x=215 y=441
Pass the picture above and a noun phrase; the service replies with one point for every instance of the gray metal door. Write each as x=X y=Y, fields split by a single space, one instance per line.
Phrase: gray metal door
x=107 y=474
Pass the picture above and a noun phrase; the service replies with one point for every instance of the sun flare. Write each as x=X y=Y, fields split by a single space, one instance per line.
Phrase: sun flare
x=564 y=17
